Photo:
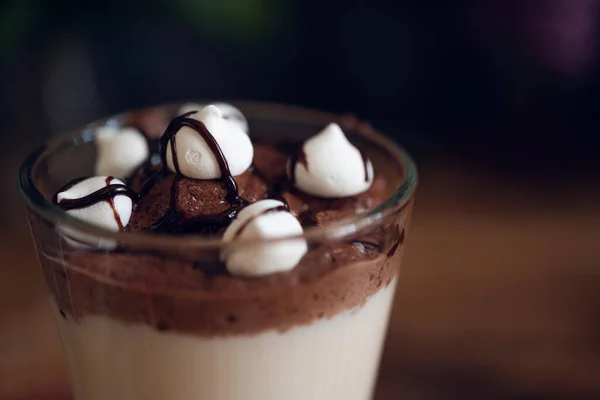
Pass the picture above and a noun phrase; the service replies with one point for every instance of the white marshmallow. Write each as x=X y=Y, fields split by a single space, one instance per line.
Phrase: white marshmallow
x=196 y=160
x=100 y=214
x=120 y=151
x=334 y=167
x=230 y=113
x=255 y=259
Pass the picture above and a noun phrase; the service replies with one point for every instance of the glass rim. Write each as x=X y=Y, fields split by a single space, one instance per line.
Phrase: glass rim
x=344 y=227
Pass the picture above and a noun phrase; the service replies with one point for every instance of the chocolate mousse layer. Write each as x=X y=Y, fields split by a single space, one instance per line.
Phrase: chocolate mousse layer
x=193 y=293
x=171 y=294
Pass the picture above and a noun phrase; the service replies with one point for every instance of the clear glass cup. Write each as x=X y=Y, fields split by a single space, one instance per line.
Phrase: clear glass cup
x=152 y=316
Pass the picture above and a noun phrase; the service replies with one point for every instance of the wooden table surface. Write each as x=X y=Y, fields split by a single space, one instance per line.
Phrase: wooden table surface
x=499 y=297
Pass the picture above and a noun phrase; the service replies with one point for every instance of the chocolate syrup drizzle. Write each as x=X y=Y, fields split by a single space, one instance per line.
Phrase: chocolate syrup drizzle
x=171 y=221
x=365 y=160
x=107 y=193
x=170 y=136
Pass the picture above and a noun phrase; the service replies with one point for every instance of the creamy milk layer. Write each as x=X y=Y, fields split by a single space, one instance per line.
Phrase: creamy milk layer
x=330 y=359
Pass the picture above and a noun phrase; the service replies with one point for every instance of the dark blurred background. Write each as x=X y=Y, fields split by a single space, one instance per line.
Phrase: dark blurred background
x=497 y=100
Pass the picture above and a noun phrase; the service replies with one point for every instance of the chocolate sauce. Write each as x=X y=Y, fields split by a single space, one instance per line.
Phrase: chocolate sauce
x=211 y=224
x=170 y=136
x=171 y=222
x=366 y=164
x=106 y=193
x=111 y=202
